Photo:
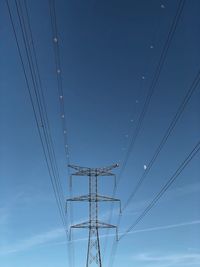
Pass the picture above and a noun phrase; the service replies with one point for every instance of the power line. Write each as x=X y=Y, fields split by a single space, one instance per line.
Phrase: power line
x=151 y=89
x=56 y=48
x=56 y=41
x=154 y=82
x=47 y=135
x=40 y=123
x=167 y=134
x=41 y=94
x=175 y=119
x=171 y=180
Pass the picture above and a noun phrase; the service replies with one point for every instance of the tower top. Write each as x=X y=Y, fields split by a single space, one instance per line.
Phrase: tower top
x=85 y=171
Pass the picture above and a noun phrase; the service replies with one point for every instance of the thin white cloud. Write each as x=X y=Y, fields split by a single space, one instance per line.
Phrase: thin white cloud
x=165 y=227
x=164 y=260
x=169 y=257
x=52 y=237
x=33 y=241
x=3 y=216
x=158 y=228
x=187 y=189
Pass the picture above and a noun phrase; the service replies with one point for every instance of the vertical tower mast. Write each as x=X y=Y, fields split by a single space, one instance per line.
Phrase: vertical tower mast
x=93 y=224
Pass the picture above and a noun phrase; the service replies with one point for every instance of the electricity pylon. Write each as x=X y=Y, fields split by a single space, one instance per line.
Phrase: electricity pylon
x=93 y=224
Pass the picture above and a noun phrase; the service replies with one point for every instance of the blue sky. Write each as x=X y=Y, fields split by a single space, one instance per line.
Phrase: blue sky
x=109 y=51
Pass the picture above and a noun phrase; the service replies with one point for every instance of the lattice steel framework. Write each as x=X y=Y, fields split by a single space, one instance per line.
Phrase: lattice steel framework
x=93 y=224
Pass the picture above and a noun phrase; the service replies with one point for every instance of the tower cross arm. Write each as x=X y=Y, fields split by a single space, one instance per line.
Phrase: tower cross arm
x=97 y=225
x=93 y=198
x=85 y=171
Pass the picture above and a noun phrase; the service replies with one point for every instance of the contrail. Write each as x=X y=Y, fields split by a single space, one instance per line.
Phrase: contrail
x=157 y=228
x=43 y=239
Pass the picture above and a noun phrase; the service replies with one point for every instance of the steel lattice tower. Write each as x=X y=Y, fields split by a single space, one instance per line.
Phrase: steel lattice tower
x=93 y=224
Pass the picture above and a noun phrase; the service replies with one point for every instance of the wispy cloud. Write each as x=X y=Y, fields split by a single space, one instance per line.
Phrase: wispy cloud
x=4 y=215
x=165 y=260
x=186 y=189
x=158 y=228
x=165 y=227
x=53 y=237
x=7 y=207
x=33 y=241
